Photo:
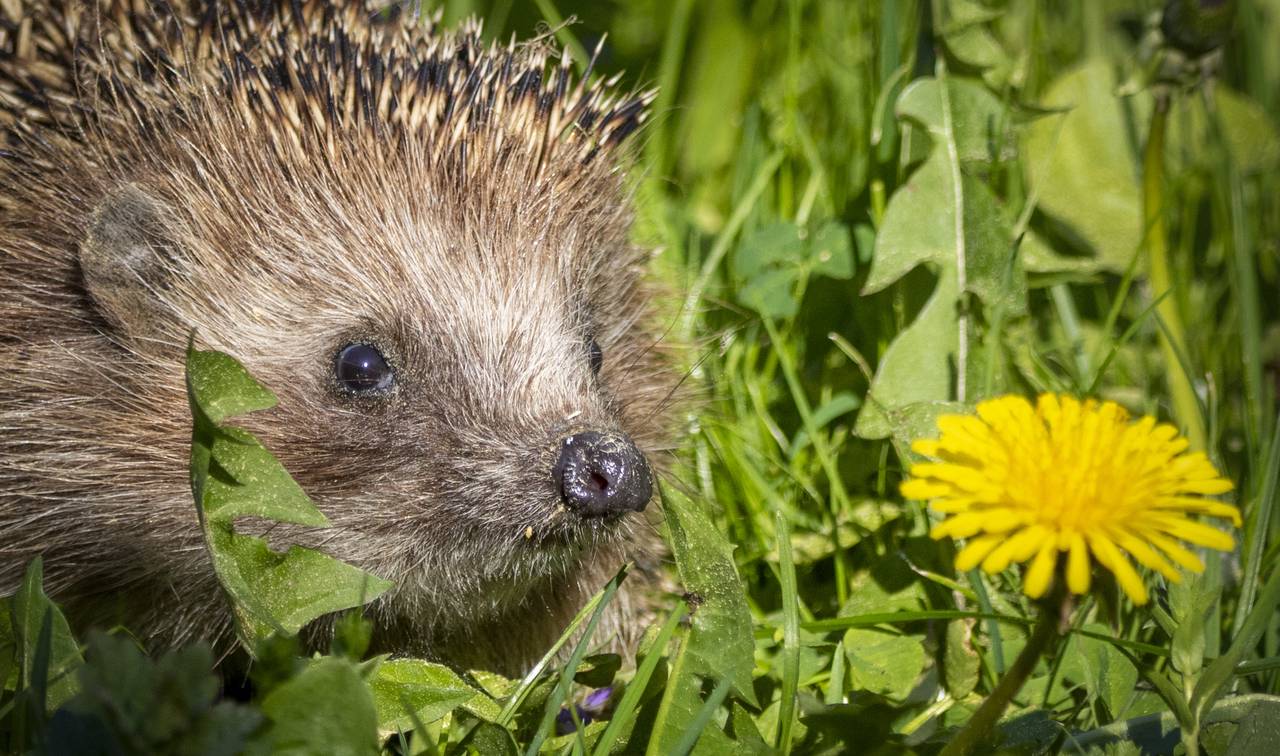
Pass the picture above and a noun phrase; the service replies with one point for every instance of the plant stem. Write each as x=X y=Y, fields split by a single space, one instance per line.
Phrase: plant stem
x=976 y=732
x=1173 y=336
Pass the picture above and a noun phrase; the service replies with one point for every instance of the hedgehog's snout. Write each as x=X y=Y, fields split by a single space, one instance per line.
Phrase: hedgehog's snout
x=601 y=474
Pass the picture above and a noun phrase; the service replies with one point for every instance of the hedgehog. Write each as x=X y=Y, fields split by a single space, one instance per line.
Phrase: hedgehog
x=419 y=240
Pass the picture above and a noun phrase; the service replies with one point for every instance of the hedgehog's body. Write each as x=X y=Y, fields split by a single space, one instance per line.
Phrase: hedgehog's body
x=287 y=179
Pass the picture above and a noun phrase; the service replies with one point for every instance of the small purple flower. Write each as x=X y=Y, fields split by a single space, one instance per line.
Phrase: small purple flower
x=592 y=707
x=564 y=721
x=597 y=700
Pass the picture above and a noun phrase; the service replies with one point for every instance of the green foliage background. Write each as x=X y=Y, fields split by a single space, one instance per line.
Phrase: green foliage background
x=873 y=212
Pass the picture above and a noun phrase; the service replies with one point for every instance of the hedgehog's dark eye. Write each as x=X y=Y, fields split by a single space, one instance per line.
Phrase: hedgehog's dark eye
x=595 y=356
x=361 y=368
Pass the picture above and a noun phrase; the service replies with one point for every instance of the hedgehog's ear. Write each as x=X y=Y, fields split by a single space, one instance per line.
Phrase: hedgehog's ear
x=129 y=257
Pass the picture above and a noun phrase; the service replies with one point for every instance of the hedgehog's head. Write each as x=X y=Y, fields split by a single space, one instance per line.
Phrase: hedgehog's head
x=457 y=328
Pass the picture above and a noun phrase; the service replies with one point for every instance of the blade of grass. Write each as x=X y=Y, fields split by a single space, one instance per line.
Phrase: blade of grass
x=531 y=677
x=1258 y=665
x=1258 y=526
x=561 y=691
x=790 y=636
x=675 y=678
x=835 y=684
x=1217 y=674
x=658 y=149
x=1117 y=304
x=689 y=738
x=628 y=707
x=1184 y=368
x=825 y=454
x=979 y=584
x=1117 y=345
x=1070 y=320
x=727 y=234
x=833 y=624
x=892 y=618
x=496 y=20
x=1244 y=277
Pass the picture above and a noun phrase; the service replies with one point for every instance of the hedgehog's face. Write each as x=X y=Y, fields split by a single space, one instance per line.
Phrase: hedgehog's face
x=597 y=474
x=465 y=375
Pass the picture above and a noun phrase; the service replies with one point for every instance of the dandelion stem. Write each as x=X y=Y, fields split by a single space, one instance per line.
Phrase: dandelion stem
x=976 y=732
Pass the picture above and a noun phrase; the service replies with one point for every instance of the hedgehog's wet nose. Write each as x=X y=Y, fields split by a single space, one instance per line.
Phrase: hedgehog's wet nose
x=601 y=474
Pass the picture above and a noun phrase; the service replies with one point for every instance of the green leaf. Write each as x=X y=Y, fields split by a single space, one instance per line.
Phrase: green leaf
x=1249 y=132
x=1255 y=718
x=598 y=670
x=247 y=481
x=966 y=38
x=948 y=218
x=1218 y=673
x=274 y=592
x=960 y=662
x=917 y=367
x=8 y=650
x=700 y=735
x=1038 y=257
x=680 y=708
x=976 y=114
x=920 y=420
x=221 y=388
x=746 y=736
x=1083 y=167
x=831 y=251
x=771 y=293
x=588 y=736
x=326 y=708
x=232 y=476
x=864 y=235
x=883 y=663
x=405 y=690
x=1107 y=671
x=767 y=261
x=720 y=643
x=920 y=226
x=772 y=261
x=352 y=634
x=1189 y=602
x=489 y=739
x=51 y=669
x=839 y=404
x=132 y=704
x=889 y=586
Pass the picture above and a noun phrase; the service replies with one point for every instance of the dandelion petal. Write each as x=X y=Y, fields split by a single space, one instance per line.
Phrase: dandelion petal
x=1078 y=565
x=1040 y=576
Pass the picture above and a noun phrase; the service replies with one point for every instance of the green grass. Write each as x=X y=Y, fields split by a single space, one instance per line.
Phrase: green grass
x=785 y=177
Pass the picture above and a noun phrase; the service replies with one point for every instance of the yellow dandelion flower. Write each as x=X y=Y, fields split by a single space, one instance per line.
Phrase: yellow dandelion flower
x=1030 y=483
